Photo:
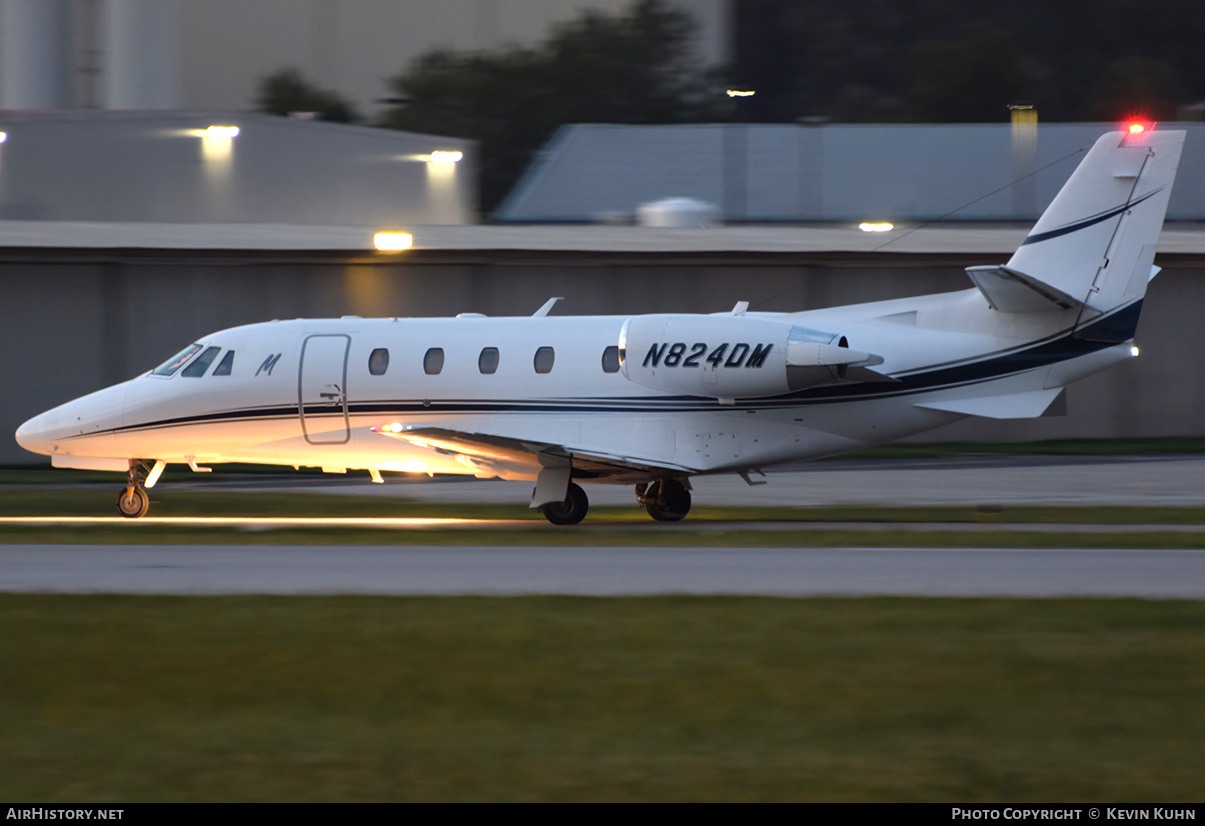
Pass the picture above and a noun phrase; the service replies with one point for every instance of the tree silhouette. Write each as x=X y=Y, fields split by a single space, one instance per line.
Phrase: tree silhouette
x=287 y=93
x=636 y=67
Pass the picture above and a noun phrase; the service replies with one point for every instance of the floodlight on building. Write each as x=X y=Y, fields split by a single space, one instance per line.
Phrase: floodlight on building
x=741 y=93
x=392 y=240
x=3 y=137
x=876 y=226
x=1134 y=351
x=1024 y=115
x=220 y=132
x=445 y=156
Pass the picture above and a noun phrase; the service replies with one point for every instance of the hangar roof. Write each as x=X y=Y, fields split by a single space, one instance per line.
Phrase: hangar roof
x=825 y=172
x=226 y=168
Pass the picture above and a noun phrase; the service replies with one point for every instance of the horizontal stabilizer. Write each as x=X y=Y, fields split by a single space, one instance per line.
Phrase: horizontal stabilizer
x=1028 y=405
x=1010 y=291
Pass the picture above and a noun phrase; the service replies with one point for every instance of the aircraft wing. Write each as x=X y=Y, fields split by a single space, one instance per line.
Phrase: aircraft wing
x=507 y=455
x=1029 y=405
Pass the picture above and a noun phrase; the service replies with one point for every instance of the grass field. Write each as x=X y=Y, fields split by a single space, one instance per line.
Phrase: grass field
x=241 y=698
x=124 y=698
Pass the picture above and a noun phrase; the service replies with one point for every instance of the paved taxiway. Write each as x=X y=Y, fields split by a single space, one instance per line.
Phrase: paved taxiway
x=971 y=480
x=1172 y=479
x=611 y=571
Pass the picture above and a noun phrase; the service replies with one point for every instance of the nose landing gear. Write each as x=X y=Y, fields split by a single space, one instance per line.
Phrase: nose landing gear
x=133 y=500
x=666 y=500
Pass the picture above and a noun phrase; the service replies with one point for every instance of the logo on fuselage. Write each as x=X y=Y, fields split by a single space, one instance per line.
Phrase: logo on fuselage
x=268 y=364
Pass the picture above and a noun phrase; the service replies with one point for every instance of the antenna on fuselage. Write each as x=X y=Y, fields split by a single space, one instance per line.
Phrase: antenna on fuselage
x=547 y=308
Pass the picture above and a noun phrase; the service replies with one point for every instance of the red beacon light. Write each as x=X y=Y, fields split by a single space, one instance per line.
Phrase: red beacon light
x=1138 y=128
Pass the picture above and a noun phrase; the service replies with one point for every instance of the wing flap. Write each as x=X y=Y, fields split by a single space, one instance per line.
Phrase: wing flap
x=510 y=454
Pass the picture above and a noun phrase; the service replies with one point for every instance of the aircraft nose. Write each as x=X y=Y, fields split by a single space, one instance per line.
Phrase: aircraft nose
x=37 y=434
x=80 y=424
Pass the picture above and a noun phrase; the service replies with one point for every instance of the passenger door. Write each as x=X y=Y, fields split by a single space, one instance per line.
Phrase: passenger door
x=322 y=389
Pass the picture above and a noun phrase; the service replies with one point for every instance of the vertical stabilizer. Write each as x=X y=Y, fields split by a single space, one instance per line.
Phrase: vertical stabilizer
x=1096 y=241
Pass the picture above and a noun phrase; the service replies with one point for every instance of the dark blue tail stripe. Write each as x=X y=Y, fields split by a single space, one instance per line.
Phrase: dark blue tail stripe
x=1096 y=219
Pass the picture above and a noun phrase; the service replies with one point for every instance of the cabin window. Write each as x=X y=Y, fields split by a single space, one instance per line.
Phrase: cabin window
x=433 y=362
x=225 y=365
x=169 y=367
x=378 y=361
x=487 y=362
x=201 y=363
x=610 y=359
x=543 y=360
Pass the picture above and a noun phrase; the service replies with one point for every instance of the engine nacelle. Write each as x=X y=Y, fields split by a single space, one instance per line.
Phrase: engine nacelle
x=730 y=357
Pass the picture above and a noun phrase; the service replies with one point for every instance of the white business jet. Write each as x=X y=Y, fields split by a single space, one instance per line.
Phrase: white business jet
x=649 y=400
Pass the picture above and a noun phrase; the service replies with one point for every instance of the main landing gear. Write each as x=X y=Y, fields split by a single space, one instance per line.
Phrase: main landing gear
x=666 y=500
x=569 y=512
x=133 y=500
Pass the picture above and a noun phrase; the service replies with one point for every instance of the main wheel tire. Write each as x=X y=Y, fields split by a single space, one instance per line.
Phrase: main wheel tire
x=569 y=512
x=133 y=502
x=670 y=503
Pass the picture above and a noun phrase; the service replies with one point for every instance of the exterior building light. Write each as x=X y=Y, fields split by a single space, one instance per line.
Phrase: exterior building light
x=876 y=226
x=445 y=156
x=392 y=240
x=220 y=132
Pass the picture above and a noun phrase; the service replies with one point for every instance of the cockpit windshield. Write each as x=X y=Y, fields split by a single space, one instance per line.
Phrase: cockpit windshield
x=200 y=364
x=169 y=367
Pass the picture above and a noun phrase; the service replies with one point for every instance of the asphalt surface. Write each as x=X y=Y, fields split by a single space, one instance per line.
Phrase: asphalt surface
x=600 y=571
x=1169 y=479
x=1173 y=479
x=426 y=570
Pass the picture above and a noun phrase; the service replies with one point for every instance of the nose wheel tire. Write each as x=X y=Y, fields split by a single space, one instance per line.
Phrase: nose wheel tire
x=569 y=512
x=133 y=502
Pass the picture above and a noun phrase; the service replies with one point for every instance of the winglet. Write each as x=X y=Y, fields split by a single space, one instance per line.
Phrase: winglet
x=740 y=308
x=547 y=308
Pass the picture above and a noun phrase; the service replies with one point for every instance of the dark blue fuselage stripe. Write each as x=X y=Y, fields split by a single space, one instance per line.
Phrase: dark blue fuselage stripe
x=1067 y=345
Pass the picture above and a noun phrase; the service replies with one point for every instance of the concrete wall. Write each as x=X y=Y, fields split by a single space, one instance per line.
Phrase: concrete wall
x=212 y=54
x=70 y=324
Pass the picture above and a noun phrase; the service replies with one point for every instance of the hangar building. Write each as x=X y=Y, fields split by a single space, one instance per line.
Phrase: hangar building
x=206 y=167
x=825 y=172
